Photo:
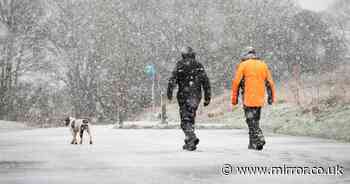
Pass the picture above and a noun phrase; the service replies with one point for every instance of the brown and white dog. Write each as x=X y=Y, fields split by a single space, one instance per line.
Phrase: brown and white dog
x=77 y=127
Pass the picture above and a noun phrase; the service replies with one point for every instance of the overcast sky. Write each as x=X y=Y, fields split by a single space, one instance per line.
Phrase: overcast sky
x=315 y=5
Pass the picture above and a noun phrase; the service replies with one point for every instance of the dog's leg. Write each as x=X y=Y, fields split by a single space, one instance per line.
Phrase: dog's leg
x=75 y=140
x=89 y=132
x=72 y=131
x=72 y=142
x=81 y=132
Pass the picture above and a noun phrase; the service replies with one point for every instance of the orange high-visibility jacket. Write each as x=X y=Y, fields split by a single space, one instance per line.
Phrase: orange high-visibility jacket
x=256 y=77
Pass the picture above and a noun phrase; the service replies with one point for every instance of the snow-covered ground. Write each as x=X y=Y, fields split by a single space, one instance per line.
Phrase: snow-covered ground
x=155 y=156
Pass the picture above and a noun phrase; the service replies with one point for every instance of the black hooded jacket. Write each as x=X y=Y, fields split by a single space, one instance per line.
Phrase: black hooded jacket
x=191 y=77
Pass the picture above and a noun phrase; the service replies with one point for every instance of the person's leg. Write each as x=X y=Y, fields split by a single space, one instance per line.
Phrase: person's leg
x=188 y=114
x=75 y=134
x=186 y=126
x=258 y=134
x=249 y=119
x=256 y=138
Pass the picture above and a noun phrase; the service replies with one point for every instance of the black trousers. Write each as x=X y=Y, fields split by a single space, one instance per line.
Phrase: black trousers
x=188 y=108
x=252 y=115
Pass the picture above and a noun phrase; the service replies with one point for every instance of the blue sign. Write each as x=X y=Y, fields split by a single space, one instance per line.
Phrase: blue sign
x=150 y=70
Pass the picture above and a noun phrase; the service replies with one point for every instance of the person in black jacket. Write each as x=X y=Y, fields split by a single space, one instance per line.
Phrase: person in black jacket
x=190 y=77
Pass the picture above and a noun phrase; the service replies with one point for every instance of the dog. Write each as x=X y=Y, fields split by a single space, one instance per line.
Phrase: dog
x=78 y=127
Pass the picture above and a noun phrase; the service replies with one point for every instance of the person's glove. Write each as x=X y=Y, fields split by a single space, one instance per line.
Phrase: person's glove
x=269 y=96
x=234 y=102
x=206 y=102
x=269 y=100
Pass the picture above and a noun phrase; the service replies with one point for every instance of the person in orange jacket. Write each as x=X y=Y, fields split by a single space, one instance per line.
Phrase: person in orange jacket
x=253 y=77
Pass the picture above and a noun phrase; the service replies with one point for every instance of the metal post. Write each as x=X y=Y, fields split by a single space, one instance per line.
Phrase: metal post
x=151 y=71
x=163 y=107
x=153 y=91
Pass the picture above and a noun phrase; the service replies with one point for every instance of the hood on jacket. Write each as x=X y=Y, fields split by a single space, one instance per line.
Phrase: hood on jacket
x=249 y=56
x=187 y=52
x=248 y=53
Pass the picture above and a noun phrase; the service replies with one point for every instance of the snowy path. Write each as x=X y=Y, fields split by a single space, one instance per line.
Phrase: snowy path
x=155 y=156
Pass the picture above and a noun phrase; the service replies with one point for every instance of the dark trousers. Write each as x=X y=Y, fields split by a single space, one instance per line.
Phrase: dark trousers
x=252 y=115
x=188 y=108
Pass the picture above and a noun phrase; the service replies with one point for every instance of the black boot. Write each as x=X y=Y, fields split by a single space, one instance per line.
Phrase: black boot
x=260 y=146
x=256 y=138
x=191 y=144
x=251 y=144
x=256 y=141
x=256 y=146
x=191 y=140
x=260 y=140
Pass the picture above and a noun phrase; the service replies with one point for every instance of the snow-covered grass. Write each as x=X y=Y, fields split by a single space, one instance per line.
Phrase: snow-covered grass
x=323 y=109
x=282 y=118
x=332 y=123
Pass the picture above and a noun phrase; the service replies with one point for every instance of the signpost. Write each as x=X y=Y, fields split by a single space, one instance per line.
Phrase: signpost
x=151 y=72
